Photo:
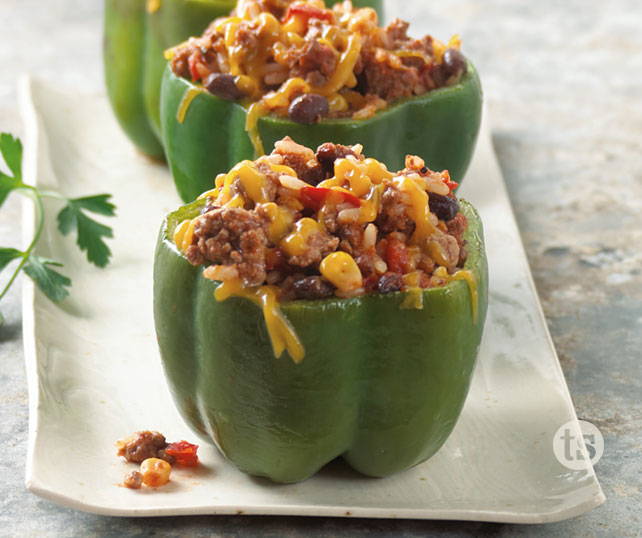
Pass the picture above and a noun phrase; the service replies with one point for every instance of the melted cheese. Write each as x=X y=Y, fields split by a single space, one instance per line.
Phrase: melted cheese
x=184 y=234
x=281 y=220
x=189 y=96
x=282 y=334
x=255 y=112
x=236 y=201
x=469 y=278
x=376 y=171
x=255 y=186
x=437 y=253
x=296 y=244
x=414 y=298
x=277 y=99
x=153 y=6
x=254 y=183
x=419 y=209
x=344 y=73
x=371 y=206
x=350 y=171
x=282 y=169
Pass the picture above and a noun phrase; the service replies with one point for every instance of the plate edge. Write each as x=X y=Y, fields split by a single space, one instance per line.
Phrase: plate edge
x=30 y=164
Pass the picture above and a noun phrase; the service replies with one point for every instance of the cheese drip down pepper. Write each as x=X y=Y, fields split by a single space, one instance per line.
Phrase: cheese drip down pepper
x=365 y=360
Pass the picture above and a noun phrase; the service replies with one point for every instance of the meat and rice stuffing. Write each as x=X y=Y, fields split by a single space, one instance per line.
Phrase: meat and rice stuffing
x=306 y=62
x=312 y=225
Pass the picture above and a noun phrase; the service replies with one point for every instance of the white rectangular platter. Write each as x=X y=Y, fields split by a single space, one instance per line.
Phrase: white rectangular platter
x=95 y=375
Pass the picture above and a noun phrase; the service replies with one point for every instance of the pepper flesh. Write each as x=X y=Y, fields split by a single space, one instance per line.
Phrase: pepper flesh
x=380 y=385
x=137 y=33
x=440 y=126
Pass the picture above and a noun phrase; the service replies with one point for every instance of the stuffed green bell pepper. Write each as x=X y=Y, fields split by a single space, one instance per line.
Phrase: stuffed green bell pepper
x=316 y=75
x=370 y=286
x=137 y=32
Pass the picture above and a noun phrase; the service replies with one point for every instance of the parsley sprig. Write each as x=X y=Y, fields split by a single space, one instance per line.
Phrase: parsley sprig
x=74 y=217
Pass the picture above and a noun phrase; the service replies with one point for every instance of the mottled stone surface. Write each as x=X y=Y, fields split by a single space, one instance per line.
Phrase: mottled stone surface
x=564 y=87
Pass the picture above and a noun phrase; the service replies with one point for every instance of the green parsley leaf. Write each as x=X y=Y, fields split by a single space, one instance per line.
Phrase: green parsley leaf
x=90 y=232
x=53 y=284
x=97 y=204
x=7 y=184
x=7 y=255
x=11 y=149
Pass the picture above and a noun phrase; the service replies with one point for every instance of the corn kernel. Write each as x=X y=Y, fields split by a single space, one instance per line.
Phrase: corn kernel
x=341 y=269
x=155 y=472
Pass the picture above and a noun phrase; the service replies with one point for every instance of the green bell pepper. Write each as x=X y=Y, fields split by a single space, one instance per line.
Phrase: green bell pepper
x=440 y=126
x=137 y=32
x=379 y=385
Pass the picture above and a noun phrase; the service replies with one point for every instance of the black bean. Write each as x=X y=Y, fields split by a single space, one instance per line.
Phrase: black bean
x=308 y=108
x=313 y=287
x=454 y=63
x=223 y=85
x=328 y=153
x=445 y=207
x=390 y=282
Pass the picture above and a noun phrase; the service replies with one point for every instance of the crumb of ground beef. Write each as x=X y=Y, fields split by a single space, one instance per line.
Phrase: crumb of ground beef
x=457 y=226
x=449 y=249
x=133 y=480
x=319 y=244
x=143 y=445
x=301 y=159
x=366 y=262
x=352 y=232
x=393 y=216
x=272 y=186
x=316 y=58
x=386 y=80
x=231 y=236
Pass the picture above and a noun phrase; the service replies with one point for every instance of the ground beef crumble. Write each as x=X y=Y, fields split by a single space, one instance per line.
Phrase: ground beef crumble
x=231 y=236
x=143 y=445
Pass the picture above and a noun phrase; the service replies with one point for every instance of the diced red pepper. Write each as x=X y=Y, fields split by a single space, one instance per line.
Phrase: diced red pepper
x=452 y=185
x=396 y=256
x=315 y=197
x=275 y=259
x=184 y=453
x=308 y=12
x=193 y=61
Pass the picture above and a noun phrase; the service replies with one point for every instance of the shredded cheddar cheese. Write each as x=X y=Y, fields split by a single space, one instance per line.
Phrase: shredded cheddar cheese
x=282 y=334
x=189 y=96
x=469 y=278
x=153 y=6
x=296 y=243
x=419 y=208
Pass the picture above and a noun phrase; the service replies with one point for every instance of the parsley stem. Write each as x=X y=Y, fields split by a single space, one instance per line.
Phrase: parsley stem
x=33 y=193
x=53 y=194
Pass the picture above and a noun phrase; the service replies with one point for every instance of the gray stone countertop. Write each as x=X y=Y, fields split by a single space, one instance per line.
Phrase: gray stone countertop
x=564 y=88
